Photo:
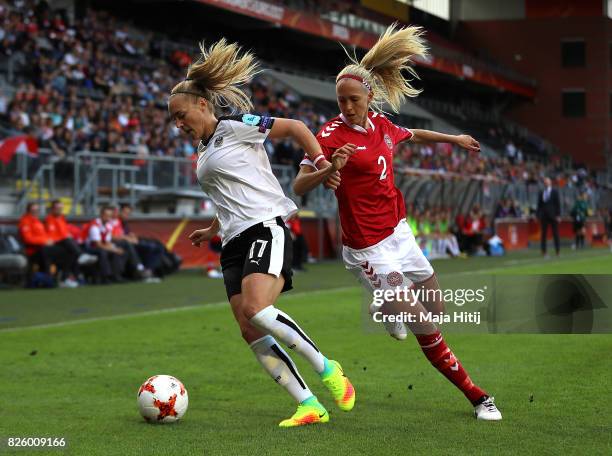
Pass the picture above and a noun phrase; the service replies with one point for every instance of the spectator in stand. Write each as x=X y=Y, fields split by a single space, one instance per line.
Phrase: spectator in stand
x=42 y=250
x=503 y=208
x=98 y=235
x=448 y=241
x=60 y=232
x=413 y=221
x=511 y=152
x=432 y=231
x=134 y=269
x=473 y=231
x=286 y=153
x=426 y=233
x=515 y=209
x=300 y=246
x=144 y=255
x=67 y=61
x=549 y=213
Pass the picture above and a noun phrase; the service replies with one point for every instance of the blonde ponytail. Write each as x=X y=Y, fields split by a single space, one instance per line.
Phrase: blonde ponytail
x=217 y=75
x=381 y=68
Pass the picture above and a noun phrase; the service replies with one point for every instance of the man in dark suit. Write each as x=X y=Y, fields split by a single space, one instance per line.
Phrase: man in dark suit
x=549 y=211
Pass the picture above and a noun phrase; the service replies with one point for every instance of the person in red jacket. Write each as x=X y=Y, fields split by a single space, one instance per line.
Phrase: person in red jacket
x=55 y=223
x=41 y=249
x=60 y=231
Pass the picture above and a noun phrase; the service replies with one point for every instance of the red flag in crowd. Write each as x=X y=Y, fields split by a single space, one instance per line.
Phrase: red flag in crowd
x=14 y=144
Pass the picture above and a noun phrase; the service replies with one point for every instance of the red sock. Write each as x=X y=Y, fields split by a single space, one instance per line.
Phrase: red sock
x=443 y=359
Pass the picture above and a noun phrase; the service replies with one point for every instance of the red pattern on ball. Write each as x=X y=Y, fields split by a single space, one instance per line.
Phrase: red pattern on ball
x=166 y=408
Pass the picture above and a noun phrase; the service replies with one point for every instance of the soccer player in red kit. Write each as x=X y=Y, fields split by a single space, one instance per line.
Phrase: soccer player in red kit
x=378 y=246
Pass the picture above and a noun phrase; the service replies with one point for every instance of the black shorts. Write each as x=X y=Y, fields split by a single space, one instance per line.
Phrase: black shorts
x=578 y=225
x=266 y=248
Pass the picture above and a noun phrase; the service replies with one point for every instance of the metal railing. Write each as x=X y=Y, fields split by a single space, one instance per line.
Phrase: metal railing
x=98 y=178
x=117 y=175
x=32 y=176
x=103 y=178
x=38 y=185
x=426 y=189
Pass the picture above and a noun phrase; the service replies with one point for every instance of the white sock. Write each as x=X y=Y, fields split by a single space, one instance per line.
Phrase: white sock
x=277 y=323
x=453 y=245
x=280 y=367
x=439 y=247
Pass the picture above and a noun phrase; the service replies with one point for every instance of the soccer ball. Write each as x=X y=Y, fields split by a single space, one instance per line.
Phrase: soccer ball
x=162 y=399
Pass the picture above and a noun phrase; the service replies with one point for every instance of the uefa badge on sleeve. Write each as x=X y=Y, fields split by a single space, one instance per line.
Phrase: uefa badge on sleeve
x=218 y=141
x=251 y=119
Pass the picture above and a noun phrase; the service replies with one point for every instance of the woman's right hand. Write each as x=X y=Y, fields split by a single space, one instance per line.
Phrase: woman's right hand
x=333 y=181
x=340 y=156
x=339 y=160
x=199 y=236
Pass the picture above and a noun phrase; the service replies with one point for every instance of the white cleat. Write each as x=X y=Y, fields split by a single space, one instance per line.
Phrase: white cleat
x=69 y=283
x=215 y=274
x=397 y=329
x=487 y=411
x=86 y=258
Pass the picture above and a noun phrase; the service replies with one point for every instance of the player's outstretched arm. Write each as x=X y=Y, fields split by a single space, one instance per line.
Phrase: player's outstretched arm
x=427 y=136
x=309 y=177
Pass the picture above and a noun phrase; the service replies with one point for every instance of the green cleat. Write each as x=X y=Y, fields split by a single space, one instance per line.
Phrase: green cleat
x=311 y=411
x=339 y=385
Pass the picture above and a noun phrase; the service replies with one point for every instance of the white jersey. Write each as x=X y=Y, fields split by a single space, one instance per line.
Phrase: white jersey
x=234 y=171
x=99 y=232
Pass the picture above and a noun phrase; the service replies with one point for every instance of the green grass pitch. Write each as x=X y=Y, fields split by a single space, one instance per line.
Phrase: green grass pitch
x=72 y=361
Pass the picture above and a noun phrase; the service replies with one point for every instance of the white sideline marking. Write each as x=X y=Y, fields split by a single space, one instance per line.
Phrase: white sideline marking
x=60 y=324
x=510 y=263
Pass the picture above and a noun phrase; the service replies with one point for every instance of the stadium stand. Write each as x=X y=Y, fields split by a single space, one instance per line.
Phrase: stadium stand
x=98 y=82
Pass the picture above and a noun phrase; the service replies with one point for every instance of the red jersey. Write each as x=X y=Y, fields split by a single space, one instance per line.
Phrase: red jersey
x=473 y=225
x=57 y=227
x=33 y=233
x=295 y=225
x=118 y=229
x=370 y=205
x=96 y=232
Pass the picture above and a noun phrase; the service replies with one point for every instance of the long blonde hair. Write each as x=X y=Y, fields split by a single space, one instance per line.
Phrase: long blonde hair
x=381 y=68
x=218 y=74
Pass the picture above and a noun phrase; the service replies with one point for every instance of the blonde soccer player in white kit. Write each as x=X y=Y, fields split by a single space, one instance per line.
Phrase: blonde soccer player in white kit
x=234 y=171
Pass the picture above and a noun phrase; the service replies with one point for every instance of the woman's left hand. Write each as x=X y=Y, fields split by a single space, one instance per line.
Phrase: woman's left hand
x=468 y=143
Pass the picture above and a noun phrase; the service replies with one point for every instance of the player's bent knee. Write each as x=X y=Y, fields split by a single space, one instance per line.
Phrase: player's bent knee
x=253 y=308
x=249 y=333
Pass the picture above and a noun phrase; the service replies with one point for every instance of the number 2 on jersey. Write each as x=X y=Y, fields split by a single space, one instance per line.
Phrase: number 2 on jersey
x=383 y=174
